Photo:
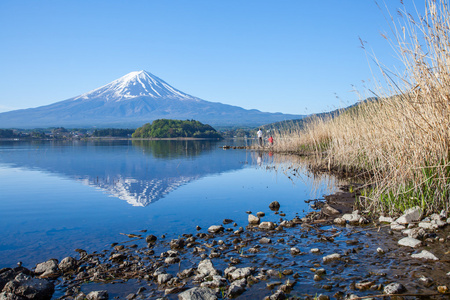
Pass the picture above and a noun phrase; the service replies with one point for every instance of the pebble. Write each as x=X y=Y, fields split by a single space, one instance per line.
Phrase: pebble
x=331 y=257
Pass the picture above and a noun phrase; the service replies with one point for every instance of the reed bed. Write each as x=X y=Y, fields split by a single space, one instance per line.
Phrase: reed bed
x=401 y=138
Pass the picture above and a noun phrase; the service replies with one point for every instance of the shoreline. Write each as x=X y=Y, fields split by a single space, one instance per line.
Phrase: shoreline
x=333 y=252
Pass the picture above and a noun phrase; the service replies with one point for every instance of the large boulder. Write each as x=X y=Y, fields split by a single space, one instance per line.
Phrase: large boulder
x=30 y=288
x=68 y=264
x=275 y=206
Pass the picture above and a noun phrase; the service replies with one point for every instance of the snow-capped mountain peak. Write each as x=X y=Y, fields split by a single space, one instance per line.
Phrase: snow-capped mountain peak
x=136 y=84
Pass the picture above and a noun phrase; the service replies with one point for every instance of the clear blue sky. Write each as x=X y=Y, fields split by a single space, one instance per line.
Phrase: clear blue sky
x=289 y=56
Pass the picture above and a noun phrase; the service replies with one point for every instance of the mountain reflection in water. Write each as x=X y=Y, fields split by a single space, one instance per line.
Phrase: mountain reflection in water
x=139 y=171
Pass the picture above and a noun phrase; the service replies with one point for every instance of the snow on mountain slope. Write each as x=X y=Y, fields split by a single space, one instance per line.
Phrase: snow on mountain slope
x=133 y=85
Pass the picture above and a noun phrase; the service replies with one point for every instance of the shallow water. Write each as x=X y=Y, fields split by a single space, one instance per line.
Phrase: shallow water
x=59 y=196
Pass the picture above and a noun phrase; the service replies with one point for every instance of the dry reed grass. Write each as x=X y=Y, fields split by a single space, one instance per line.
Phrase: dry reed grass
x=402 y=140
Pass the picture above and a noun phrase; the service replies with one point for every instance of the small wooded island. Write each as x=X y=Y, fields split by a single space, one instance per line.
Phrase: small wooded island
x=166 y=128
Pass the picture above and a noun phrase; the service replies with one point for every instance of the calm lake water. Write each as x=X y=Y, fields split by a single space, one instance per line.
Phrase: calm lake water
x=59 y=196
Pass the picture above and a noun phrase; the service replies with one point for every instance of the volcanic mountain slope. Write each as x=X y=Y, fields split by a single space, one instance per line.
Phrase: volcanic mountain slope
x=131 y=101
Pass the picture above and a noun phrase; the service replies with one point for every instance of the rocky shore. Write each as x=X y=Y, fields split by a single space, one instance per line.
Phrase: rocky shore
x=335 y=252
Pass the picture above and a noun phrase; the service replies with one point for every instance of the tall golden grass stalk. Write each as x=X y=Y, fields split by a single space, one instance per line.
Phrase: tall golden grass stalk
x=401 y=138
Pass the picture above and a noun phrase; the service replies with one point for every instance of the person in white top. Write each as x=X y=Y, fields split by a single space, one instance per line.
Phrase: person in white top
x=260 y=136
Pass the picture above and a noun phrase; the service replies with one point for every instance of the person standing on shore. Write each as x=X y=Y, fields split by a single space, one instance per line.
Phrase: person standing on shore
x=260 y=136
x=270 y=140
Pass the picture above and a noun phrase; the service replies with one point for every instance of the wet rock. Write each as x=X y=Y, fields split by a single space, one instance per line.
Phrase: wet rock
x=68 y=264
x=329 y=210
x=236 y=288
x=215 y=228
x=151 y=239
x=253 y=220
x=380 y=251
x=198 y=227
x=278 y=295
x=163 y=278
x=227 y=221
x=443 y=289
x=411 y=215
x=295 y=251
x=394 y=288
x=315 y=250
x=260 y=214
x=177 y=244
x=206 y=268
x=172 y=260
x=174 y=290
x=409 y=242
x=30 y=288
x=340 y=221
x=267 y=225
x=331 y=257
x=317 y=277
x=265 y=240
x=364 y=285
x=9 y=296
x=273 y=284
x=119 y=247
x=97 y=295
x=215 y=282
x=48 y=269
x=425 y=255
x=323 y=297
x=253 y=250
x=6 y=275
x=426 y=281
x=383 y=219
x=117 y=257
x=198 y=293
x=320 y=272
x=274 y=206
x=234 y=273
x=235 y=260
x=185 y=273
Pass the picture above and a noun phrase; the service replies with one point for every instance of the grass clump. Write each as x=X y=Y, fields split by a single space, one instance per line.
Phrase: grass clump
x=402 y=137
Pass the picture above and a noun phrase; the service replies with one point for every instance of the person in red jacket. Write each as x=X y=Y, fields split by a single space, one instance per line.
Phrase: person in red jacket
x=270 y=140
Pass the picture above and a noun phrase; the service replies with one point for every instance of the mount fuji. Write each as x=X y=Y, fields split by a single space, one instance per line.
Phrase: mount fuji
x=131 y=101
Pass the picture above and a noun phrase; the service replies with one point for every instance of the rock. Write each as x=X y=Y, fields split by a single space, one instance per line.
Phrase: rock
x=177 y=244
x=163 y=278
x=206 y=268
x=411 y=215
x=216 y=228
x=48 y=269
x=253 y=220
x=428 y=226
x=443 y=289
x=278 y=295
x=260 y=214
x=365 y=285
x=198 y=227
x=352 y=218
x=185 y=273
x=396 y=226
x=383 y=219
x=315 y=250
x=320 y=272
x=295 y=251
x=9 y=296
x=151 y=239
x=31 y=288
x=380 y=251
x=324 y=297
x=236 y=288
x=68 y=264
x=275 y=206
x=425 y=255
x=340 y=221
x=6 y=275
x=331 y=257
x=394 y=288
x=217 y=281
x=227 y=221
x=417 y=233
x=97 y=295
x=172 y=260
x=234 y=273
x=409 y=242
x=265 y=240
x=426 y=281
x=198 y=293
x=267 y=225
x=329 y=210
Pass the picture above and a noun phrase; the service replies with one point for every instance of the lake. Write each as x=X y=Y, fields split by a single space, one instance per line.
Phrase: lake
x=56 y=196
